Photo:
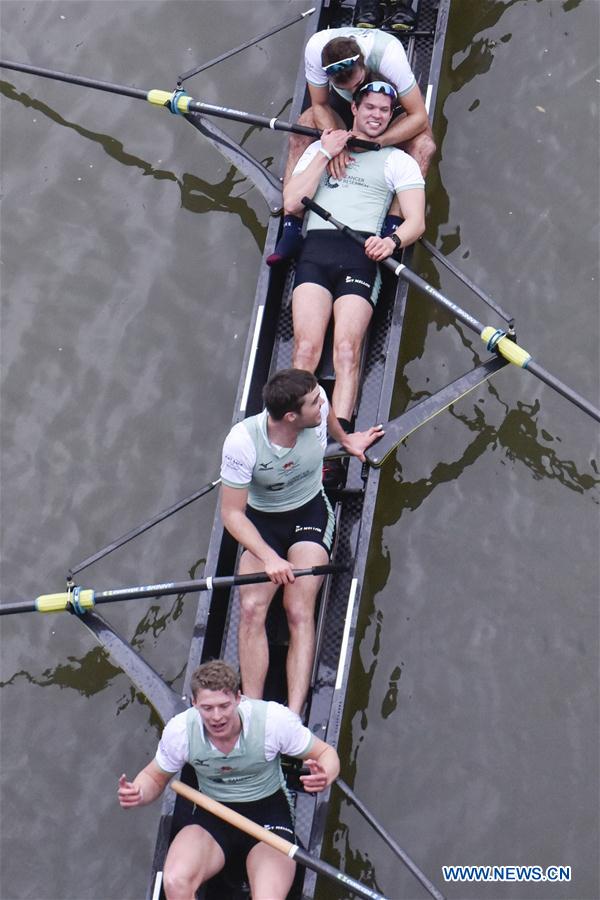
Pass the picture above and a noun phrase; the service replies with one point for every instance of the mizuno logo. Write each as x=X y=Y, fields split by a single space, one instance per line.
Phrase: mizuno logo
x=265 y=467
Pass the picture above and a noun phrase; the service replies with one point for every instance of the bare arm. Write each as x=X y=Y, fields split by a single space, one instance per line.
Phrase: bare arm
x=406 y=127
x=239 y=526
x=324 y=765
x=145 y=787
x=305 y=183
x=412 y=208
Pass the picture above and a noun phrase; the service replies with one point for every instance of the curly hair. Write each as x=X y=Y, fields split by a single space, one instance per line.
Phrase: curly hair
x=215 y=676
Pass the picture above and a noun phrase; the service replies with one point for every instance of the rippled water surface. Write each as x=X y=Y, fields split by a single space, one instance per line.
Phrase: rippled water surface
x=130 y=253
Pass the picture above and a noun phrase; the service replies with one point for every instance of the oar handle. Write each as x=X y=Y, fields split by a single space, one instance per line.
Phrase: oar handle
x=293 y=851
x=234 y=818
x=79 y=600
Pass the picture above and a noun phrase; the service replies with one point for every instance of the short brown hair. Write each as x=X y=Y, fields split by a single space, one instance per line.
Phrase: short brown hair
x=342 y=48
x=215 y=676
x=285 y=390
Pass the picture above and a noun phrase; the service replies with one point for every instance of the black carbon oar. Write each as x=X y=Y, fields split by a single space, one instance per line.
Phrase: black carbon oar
x=229 y=53
x=177 y=102
x=390 y=841
x=495 y=338
x=508 y=318
x=79 y=600
x=130 y=535
x=293 y=851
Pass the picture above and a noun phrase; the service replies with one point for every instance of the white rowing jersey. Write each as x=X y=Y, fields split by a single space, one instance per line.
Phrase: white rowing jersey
x=251 y=770
x=362 y=198
x=278 y=479
x=383 y=53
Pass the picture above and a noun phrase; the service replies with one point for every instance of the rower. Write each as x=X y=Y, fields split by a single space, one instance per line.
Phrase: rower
x=273 y=504
x=333 y=272
x=337 y=62
x=235 y=746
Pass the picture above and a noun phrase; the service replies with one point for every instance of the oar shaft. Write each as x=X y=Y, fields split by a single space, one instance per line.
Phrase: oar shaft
x=183 y=103
x=93 y=83
x=496 y=340
x=563 y=389
x=508 y=318
x=80 y=600
x=390 y=841
x=272 y=840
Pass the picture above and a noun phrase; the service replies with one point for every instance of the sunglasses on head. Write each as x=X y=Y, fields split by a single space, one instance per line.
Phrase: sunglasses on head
x=379 y=87
x=335 y=67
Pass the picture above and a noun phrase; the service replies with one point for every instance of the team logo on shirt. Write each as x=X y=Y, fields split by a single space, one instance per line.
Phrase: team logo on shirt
x=288 y=466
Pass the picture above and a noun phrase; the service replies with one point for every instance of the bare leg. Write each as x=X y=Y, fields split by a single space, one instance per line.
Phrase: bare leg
x=253 y=645
x=352 y=315
x=311 y=311
x=299 y=602
x=193 y=858
x=270 y=873
x=421 y=147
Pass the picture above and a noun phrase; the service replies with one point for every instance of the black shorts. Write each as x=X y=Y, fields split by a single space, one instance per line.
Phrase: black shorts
x=272 y=812
x=334 y=261
x=312 y=522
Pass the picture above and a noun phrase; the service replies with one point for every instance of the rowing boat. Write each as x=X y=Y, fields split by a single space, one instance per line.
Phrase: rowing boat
x=217 y=628
x=268 y=349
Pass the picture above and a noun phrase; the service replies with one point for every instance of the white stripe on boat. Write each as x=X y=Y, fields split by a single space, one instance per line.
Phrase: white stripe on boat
x=157 y=886
x=259 y=317
x=346 y=635
x=428 y=96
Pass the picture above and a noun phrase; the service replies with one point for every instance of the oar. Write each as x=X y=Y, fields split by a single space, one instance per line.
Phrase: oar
x=130 y=535
x=336 y=450
x=495 y=339
x=177 y=102
x=387 y=837
x=230 y=53
x=79 y=600
x=510 y=320
x=273 y=840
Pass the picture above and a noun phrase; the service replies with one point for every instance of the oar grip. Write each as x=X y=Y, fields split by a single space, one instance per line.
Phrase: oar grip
x=234 y=818
x=359 y=144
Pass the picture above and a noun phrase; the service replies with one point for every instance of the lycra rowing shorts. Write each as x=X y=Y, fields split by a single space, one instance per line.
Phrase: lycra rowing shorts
x=314 y=521
x=271 y=812
x=334 y=261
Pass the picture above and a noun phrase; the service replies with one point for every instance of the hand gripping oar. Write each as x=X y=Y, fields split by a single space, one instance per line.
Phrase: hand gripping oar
x=79 y=600
x=495 y=339
x=177 y=102
x=273 y=840
x=382 y=832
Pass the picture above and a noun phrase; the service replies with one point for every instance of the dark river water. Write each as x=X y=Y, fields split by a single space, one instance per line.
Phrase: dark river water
x=130 y=254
